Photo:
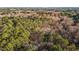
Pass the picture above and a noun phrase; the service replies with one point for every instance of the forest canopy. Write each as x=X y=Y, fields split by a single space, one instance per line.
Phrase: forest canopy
x=39 y=29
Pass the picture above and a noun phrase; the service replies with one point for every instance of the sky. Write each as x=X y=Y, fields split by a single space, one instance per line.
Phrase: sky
x=39 y=3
